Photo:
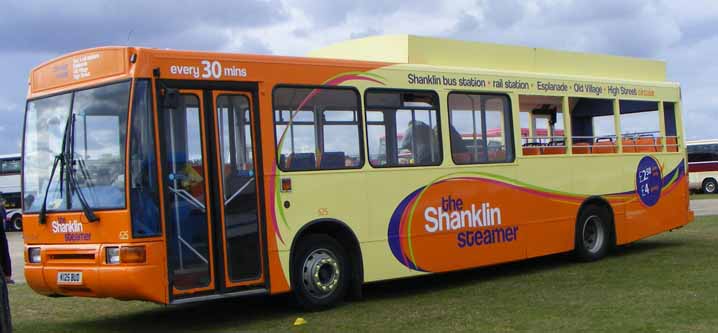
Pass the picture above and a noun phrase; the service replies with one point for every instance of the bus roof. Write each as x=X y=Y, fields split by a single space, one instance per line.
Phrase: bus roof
x=101 y=65
x=110 y=63
x=702 y=142
x=408 y=49
x=10 y=156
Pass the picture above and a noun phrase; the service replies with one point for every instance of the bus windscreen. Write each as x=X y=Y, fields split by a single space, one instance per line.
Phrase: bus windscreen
x=97 y=149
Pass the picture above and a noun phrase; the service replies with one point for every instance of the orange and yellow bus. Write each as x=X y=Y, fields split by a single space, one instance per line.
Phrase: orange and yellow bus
x=178 y=176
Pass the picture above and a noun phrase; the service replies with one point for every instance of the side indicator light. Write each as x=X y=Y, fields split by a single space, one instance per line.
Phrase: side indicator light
x=133 y=255
x=286 y=184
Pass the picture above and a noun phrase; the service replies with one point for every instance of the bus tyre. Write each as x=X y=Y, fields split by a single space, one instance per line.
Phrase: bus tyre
x=593 y=233
x=320 y=272
x=710 y=186
x=16 y=222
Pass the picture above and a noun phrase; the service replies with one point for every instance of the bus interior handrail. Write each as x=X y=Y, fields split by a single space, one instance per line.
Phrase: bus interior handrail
x=238 y=191
x=188 y=197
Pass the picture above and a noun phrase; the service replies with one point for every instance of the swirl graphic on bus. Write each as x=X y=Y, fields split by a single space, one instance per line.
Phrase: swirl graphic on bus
x=469 y=219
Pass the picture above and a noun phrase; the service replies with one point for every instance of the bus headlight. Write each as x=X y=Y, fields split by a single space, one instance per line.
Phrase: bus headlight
x=112 y=255
x=33 y=255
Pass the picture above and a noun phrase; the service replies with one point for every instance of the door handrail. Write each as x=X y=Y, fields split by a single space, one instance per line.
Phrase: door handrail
x=238 y=191
x=201 y=257
x=188 y=197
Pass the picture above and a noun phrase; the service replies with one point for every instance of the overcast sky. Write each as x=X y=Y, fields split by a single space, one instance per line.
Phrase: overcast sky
x=683 y=33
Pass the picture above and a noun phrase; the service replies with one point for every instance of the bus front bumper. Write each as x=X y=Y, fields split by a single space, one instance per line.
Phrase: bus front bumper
x=81 y=270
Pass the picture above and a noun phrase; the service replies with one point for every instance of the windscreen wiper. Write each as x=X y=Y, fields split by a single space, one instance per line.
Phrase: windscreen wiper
x=43 y=208
x=64 y=159
x=59 y=159
x=72 y=179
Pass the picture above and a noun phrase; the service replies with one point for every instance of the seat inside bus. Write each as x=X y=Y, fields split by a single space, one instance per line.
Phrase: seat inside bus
x=332 y=160
x=300 y=161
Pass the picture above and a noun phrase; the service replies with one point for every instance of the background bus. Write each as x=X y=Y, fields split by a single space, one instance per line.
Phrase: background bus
x=703 y=165
x=10 y=167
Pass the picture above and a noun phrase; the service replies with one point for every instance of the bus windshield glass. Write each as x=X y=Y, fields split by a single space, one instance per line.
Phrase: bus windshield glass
x=95 y=143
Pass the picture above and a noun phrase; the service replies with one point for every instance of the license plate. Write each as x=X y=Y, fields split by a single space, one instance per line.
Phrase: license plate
x=69 y=277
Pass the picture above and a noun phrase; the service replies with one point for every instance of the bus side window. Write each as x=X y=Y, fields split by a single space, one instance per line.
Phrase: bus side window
x=669 y=120
x=592 y=121
x=640 y=127
x=10 y=167
x=481 y=130
x=317 y=128
x=144 y=189
x=403 y=128
x=703 y=153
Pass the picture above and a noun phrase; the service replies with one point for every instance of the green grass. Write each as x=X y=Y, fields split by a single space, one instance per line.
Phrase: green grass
x=663 y=284
x=702 y=196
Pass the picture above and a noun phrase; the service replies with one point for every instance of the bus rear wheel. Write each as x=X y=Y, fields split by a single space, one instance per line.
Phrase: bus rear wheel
x=710 y=186
x=593 y=233
x=320 y=272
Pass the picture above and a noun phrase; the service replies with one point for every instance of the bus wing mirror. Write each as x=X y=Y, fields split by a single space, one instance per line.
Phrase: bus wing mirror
x=171 y=99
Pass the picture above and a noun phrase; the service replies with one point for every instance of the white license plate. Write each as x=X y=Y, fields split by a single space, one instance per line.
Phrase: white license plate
x=69 y=277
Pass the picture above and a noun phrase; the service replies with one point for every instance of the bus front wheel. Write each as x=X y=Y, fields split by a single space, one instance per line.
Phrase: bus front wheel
x=320 y=272
x=593 y=233
x=710 y=186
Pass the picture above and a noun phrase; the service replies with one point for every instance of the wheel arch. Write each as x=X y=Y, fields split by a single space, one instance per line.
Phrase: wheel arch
x=13 y=213
x=602 y=202
x=344 y=235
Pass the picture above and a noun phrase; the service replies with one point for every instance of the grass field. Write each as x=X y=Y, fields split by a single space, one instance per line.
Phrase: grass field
x=701 y=196
x=663 y=284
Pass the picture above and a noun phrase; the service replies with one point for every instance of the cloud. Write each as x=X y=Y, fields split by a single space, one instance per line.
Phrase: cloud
x=365 y=33
x=7 y=106
x=254 y=45
x=683 y=34
x=637 y=28
x=51 y=26
x=329 y=13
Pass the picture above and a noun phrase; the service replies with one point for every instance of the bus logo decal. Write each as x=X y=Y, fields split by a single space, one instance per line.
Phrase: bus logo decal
x=458 y=220
x=73 y=230
x=648 y=181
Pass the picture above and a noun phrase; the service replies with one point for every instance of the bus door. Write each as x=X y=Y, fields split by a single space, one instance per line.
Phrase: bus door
x=187 y=212
x=211 y=197
x=238 y=196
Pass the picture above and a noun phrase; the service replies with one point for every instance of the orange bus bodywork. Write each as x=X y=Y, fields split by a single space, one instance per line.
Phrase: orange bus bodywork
x=149 y=281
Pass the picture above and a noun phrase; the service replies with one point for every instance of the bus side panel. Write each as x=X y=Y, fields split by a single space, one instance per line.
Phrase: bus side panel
x=277 y=261
x=311 y=197
x=549 y=237
x=438 y=220
x=669 y=212
x=697 y=178
x=550 y=230
x=339 y=196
